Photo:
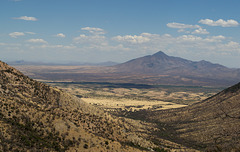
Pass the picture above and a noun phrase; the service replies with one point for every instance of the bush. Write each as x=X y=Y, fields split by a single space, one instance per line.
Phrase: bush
x=157 y=149
x=85 y=146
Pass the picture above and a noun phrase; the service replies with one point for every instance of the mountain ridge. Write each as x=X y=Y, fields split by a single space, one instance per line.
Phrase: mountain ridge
x=162 y=64
x=157 y=69
x=161 y=58
x=22 y=62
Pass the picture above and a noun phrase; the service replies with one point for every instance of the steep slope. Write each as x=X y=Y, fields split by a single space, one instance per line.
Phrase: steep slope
x=37 y=117
x=213 y=123
x=162 y=64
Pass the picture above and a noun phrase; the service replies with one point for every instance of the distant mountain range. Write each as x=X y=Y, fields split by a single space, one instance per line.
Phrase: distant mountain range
x=162 y=64
x=22 y=62
x=158 y=68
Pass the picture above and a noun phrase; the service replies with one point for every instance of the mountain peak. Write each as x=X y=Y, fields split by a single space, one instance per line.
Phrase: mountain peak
x=159 y=53
x=196 y=73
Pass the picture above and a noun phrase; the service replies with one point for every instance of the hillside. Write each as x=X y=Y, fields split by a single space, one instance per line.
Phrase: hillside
x=162 y=64
x=37 y=117
x=212 y=123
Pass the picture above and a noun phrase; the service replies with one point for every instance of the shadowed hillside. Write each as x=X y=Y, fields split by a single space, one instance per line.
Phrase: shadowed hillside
x=212 y=123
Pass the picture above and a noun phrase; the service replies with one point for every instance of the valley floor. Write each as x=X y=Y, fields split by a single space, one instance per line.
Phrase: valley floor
x=134 y=100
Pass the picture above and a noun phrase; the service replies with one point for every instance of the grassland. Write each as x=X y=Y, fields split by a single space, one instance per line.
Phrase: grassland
x=135 y=97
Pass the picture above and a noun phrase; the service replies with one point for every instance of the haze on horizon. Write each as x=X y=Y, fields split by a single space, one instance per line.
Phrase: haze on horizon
x=100 y=31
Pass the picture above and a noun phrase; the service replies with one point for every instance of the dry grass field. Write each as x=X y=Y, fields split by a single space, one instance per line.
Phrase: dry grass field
x=131 y=105
x=135 y=97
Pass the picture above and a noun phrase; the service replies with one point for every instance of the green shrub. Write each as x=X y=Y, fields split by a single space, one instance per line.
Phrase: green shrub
x=157 y=149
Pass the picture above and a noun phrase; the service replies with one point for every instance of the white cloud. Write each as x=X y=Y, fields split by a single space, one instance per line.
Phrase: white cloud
x=233 y=44
x=60 y=35
x=57 y=46
x=90 y=40
x=219 y=37
x=210 y=40
x=36 y=41
x=228 y=48
x=181 y=26
x=45 y=46
x=93 y=30
x=180 y=45
x=186 y=28
x=189 y=38
x=16 y=34
x=149 y=35
x=200 y=31
x=26 y=18
x=133 y=39
x=220 y=22
x=183 y=30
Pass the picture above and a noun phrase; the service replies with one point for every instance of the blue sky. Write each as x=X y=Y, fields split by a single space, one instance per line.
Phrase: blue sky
x=119 y=30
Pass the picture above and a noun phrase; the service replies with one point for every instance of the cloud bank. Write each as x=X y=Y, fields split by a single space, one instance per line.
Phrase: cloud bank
x=93 y=40
x=37 y=41
x=220 y=22
x=187 y=28
x=93 y=30
x=132 y=39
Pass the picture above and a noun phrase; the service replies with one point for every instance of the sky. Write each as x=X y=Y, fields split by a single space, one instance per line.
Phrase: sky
x=65 y=31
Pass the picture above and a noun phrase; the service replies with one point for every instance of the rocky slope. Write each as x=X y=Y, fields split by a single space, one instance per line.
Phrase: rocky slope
x=37 y=117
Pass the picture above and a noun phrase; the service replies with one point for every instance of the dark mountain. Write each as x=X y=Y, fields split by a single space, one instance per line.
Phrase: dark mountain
x=212 y=124
x=162 y=64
